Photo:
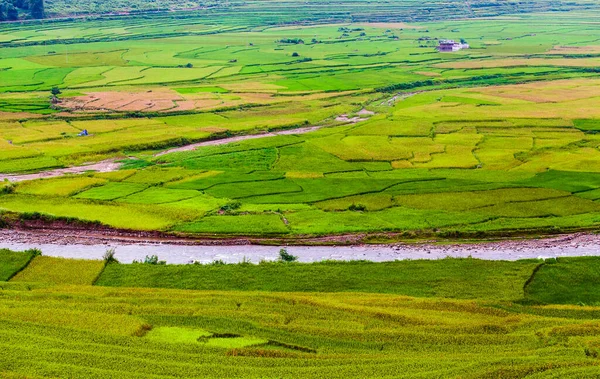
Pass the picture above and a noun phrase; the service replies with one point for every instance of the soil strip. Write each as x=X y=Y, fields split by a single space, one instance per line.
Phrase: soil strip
x=225 y=141
x=108 y=165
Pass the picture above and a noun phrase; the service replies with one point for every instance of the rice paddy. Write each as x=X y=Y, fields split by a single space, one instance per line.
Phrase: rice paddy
x=452 y=317
x=497 y=139
x=394 y=140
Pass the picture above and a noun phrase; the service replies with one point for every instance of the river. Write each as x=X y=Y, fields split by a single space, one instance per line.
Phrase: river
x=561 y=246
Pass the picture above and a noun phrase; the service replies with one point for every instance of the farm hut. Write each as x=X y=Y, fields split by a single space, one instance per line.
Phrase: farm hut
x=449 y=45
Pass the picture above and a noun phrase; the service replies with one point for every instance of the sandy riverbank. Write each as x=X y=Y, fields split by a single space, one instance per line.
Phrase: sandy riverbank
x=186 y=251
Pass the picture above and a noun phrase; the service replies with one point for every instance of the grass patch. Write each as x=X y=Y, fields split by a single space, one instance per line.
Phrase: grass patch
x=177 y=334
x=242 y=224
x=566 y=281
x=60 y=271
x=452 y=278
x=12 y=262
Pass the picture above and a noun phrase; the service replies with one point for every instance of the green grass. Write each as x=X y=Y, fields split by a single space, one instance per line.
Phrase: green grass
x=177 y=335
x=112 y=191
x=59 y=187
x=201 y=90
x=12 y=262
x=566 y=281
x=259 y=224
x=155 y=195
x=451 y=278
x=118 y=215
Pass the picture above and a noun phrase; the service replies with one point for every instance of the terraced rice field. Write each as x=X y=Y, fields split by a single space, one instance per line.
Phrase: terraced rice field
x=497 y=139
x=451 y=318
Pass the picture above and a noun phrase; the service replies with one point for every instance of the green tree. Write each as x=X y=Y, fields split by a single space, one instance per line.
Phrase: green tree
x=37 y=8
x=284 y=256
x=55 y=91
x=12 y=13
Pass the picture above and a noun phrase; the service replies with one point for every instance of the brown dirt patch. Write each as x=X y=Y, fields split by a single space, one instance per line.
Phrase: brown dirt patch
x=185 y=105
x=428 y=73
x=162 y=100
x=108 y=165
x=594 y=49
x=18 y=115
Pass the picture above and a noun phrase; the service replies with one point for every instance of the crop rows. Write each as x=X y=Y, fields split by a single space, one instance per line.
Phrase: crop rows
x=49 y=329
x=500 y=138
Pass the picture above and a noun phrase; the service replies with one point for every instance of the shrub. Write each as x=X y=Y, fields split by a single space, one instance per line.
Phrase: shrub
x=151 y=260
x=34 y=252
x=7 y=188
x=109 y=256
x=245 y=262
x=231 y=206
x=357 y=208
x=28 y=216
x=293 y=41
x=591 y=353
x=284 y=256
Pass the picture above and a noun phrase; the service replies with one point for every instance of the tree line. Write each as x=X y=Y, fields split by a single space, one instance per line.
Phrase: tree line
x=12 y=10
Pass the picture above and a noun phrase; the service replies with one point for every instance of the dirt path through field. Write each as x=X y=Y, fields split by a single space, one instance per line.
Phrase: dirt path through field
x=86 y=245
x=224 y=141
x=102 y=166
x=110 y=165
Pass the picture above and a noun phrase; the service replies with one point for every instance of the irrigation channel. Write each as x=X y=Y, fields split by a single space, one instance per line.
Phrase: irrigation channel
x=581 y=244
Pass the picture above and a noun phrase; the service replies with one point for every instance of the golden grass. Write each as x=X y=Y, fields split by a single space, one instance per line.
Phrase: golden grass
x=513 y=62
x=60 y=271
x=303 y=175
x=592 y=49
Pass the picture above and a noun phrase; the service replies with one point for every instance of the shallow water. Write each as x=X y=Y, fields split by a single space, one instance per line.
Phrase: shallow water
x=178 y=254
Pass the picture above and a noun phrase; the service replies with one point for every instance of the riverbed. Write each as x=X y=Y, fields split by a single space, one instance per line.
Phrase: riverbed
x=181 y=253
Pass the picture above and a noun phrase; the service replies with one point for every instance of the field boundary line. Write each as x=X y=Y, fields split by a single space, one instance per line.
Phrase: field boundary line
x=22 y=268
x=531 y=278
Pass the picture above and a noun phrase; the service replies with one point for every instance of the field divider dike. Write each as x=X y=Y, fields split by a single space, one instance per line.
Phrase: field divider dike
x=531 y=279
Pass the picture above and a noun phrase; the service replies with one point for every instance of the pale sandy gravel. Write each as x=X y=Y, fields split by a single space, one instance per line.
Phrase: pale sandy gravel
x=365 y=112
x=225 y=141
x=108 y=165
x=352 y=120
x=176 y=253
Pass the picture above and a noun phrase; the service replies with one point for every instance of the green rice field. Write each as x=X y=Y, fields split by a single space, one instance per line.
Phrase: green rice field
x=279 y=122
x=447 y=318
x=499 y=139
